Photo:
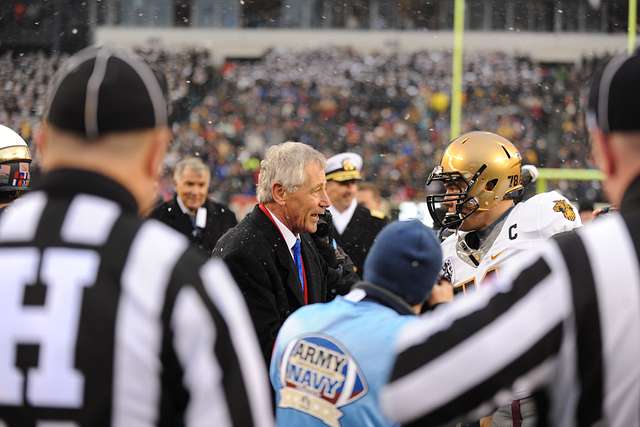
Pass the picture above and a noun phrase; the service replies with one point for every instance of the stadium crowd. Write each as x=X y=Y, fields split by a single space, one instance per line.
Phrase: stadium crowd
x=391 y=108
x=114 y=319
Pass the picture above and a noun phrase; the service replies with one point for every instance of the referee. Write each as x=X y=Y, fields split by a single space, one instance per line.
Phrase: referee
x=106 y=320
x=565 y=322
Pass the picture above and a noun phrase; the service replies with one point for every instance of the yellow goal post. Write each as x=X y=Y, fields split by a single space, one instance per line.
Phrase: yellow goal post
x=552 y=174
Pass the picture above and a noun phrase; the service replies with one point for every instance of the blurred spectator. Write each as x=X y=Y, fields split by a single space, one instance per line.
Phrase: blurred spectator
x=369 y=196
x=190 y=211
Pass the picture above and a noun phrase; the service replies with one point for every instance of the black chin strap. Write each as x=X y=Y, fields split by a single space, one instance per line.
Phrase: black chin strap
x=475 y=238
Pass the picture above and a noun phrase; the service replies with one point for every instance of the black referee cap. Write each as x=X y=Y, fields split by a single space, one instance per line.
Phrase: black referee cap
x=100 y=90
x=614 y=99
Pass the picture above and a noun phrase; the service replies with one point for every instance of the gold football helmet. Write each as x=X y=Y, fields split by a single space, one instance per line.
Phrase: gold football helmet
x=478 y=169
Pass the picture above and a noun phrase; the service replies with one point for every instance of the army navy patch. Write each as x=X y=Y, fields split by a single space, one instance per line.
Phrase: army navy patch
x=319 y=376
x=565 y=208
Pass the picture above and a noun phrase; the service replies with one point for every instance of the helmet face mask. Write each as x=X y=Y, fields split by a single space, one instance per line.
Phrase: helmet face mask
x=464 y=204
x=478 y=170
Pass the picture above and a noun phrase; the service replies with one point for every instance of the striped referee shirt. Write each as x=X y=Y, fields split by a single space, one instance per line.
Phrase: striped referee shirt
x=106 y=320
x=564 y=325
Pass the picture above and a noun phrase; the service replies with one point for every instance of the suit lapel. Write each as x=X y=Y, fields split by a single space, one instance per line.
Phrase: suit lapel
x=182 y=220
x=283 y=256
x=214 y=224
x=311 y=270
x=352 y=225
x=291 y=272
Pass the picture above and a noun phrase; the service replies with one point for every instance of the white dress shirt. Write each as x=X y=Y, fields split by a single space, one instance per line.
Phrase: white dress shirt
x=341 y=219
x=183 y=208
x=289 y=237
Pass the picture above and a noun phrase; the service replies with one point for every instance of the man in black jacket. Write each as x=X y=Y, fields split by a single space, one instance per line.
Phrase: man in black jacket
x=355 y=226
x=270 y=252
x=190 y=211
x=106 y=319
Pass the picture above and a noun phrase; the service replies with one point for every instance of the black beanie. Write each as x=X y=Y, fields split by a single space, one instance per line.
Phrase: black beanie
x=100 y=90
x=614 y=104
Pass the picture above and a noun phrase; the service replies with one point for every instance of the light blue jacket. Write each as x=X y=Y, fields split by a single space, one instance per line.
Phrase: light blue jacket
x=331 y=360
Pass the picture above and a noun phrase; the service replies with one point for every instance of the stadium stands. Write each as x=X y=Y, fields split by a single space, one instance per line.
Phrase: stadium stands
x=390 y=107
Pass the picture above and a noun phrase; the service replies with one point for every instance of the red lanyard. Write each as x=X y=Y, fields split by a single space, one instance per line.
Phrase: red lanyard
x=304 y=274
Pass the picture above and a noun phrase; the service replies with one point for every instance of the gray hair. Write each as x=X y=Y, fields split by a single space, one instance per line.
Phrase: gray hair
x=285 y=163
x=194 y=163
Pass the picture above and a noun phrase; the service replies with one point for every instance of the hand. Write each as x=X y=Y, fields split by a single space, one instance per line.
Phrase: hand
x=324 y=225
x=486 y=421
x=602 y=211
x=441 y=292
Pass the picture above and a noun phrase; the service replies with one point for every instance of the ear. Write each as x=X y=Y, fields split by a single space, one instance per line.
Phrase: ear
x=279 y=193
x=603 y=154
x=156 y=152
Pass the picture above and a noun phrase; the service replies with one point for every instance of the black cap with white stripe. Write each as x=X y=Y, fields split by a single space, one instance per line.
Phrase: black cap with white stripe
x=614 y=99
x=101 y=90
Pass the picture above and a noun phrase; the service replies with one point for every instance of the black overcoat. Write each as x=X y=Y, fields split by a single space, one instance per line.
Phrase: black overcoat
x=219 y=219
x=358 y=237
x=263 y=268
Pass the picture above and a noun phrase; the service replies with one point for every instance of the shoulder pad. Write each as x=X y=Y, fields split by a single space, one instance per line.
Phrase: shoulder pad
x=451 y=238
x=448 y=245
x=548 y=213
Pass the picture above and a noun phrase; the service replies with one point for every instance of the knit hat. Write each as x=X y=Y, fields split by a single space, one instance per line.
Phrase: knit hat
x=100 y=90
x=405 y=259
x=613 y=102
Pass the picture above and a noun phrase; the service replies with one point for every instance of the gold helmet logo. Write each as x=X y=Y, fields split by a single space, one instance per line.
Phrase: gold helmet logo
x=565 y=208
x=347 y=165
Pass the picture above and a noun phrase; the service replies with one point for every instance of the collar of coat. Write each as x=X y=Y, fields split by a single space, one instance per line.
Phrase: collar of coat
x=382 y=296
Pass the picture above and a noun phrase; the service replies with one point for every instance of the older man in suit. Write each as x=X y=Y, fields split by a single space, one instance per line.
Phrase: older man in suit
x=190 y=211
x=270 y=253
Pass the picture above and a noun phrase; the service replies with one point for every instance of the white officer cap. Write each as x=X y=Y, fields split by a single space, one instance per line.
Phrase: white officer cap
x=344 y=167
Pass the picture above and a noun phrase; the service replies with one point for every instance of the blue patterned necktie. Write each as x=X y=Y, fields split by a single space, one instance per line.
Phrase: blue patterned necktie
x=297 y=258
x=194 y=229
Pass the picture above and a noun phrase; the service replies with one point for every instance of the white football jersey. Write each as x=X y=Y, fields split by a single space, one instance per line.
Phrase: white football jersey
x=528 y=224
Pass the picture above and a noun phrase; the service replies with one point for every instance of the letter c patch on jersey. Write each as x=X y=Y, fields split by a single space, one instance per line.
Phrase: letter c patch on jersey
x=318 y=376
x=565 y=208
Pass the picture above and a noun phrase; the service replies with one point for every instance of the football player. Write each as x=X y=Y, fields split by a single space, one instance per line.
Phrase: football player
x=15 y=162
x=483 y=187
